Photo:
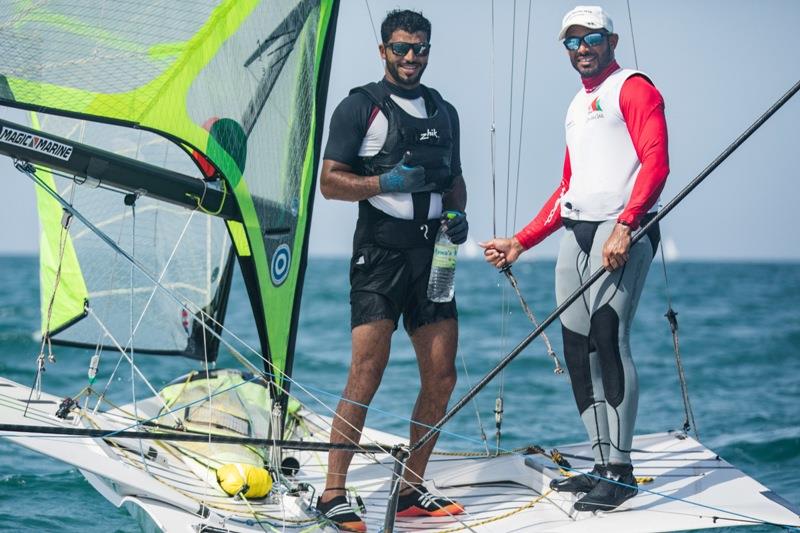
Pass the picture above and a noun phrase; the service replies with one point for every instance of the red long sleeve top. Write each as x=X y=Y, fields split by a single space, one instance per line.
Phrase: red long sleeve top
x=643 y=110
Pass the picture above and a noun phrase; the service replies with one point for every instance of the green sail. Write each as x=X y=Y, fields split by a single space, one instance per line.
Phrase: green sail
x=242 y=82
x=63 y=302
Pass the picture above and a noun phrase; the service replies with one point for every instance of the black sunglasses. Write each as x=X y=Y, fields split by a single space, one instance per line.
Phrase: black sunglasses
x=591 y=39
x=401 y=49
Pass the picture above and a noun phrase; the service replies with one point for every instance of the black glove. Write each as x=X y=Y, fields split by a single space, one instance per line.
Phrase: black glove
x=457 y=226
x=403 y=178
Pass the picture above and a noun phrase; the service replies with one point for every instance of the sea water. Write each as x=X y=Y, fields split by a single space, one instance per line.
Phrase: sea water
x=739 y=337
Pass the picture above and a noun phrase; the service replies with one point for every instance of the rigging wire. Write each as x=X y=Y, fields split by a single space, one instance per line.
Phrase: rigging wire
x=662 y=253
x=30 y=171
x=600 y=272
x=372 y=22
x=168 y=263
x=132 y=203
x=671 y=315
x=492 y=129
x=511 y=108
x=206 y=365
x=500 y=399
x=137 y=416
x=90 y=312
x=373 y=458
x=61 y=432
x=633 y=36
x=528 y=32
x=63 y=238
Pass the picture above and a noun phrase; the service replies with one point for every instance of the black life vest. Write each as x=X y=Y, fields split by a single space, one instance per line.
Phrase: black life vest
x=430 y=140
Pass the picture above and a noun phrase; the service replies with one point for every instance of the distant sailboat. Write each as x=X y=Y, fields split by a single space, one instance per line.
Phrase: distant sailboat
x=670 y=249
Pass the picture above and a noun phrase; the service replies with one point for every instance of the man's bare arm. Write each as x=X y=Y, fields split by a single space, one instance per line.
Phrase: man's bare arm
x=339 y=182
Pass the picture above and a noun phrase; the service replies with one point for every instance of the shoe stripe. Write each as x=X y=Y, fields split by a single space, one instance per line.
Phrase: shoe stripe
x=429 y=501
x=340 y=509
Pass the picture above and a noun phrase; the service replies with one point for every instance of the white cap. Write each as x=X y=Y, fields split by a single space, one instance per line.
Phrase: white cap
x=592 y=17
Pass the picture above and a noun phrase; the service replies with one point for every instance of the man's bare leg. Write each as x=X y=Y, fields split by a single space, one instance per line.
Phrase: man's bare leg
x=435 y=345
x=371 y=345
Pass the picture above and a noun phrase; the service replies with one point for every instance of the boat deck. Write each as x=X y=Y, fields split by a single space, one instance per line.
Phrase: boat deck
x=691 y=488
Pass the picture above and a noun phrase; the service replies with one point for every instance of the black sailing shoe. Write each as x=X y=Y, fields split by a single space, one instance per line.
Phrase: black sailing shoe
x=420 y=502
x=618 y=486
x=581 y=482
x=339 y=511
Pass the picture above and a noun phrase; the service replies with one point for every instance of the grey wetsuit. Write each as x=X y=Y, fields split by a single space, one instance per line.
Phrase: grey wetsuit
x=596 y=332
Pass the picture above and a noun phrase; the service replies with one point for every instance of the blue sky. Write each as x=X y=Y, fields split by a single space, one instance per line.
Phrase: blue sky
x=719 y=65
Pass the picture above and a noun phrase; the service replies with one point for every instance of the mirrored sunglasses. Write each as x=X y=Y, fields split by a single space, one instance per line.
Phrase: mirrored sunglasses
x=591 y=39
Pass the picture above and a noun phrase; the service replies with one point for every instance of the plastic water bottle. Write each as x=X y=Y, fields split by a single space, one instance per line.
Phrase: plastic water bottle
x=441 y=284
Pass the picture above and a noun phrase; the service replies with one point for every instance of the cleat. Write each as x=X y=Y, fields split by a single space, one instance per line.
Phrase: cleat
x=618 y=485
x=339 y=512
x=581 y=482
x=420 y=502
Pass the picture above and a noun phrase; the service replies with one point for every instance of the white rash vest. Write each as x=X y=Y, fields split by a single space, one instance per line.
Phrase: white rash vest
x=603 y=159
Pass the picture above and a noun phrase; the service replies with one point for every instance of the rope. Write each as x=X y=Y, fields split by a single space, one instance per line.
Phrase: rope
x=513 y=280
x=673 y=498
x=133 y=261
x=475 y=404
x=499 y=401
x=671 y=314
x=518 y=510
x=200 y=199
x=63 y=238
x=91 y=313
x=203 y=319
x=672 y=318
x=101 y=336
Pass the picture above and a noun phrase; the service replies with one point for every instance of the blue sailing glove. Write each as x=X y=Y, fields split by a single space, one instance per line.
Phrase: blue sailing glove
x=404 y=178
x=457 y=226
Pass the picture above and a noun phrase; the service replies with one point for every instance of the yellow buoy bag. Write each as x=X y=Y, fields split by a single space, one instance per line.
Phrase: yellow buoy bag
x=252 y=481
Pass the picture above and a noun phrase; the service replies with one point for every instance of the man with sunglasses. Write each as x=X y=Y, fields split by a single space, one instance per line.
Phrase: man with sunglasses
x=393 y=147
x=615 y=168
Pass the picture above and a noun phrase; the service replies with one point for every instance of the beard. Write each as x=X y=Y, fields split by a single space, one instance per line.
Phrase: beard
x=597 y=62
x=401 y=77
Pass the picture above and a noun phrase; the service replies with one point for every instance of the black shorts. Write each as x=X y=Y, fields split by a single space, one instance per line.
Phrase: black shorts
x=386 y=283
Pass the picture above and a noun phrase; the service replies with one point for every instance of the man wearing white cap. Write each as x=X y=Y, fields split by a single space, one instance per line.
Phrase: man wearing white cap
x=614 y=170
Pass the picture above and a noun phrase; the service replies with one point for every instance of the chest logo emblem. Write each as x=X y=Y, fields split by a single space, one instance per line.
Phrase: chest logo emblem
x=431 y=133
x=595 y=105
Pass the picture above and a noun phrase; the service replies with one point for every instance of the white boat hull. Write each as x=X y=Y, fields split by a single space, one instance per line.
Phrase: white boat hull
x=691 y=487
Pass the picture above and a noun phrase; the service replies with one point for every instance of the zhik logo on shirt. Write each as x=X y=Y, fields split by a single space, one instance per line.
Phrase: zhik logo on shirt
x=430 y=134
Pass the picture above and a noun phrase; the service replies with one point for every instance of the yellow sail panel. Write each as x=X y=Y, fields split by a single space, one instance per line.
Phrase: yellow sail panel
x=63 y=290
x=68 y=295
x=120 y=61
x=240 y=81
